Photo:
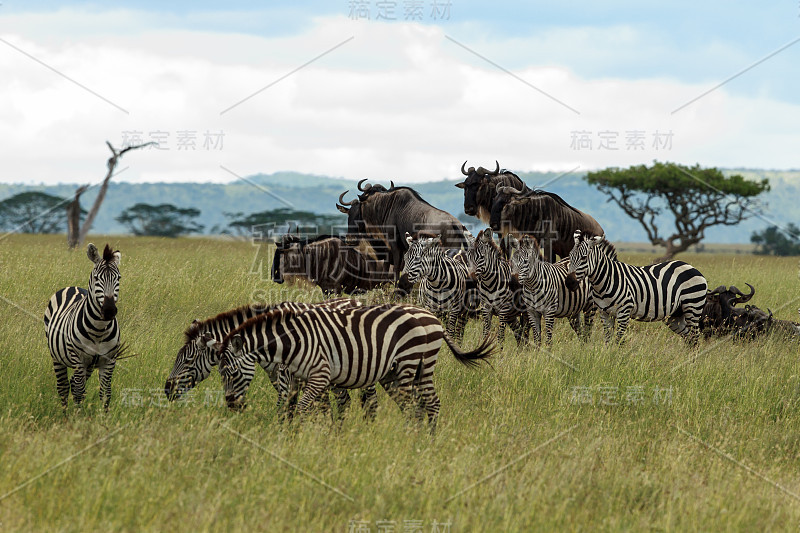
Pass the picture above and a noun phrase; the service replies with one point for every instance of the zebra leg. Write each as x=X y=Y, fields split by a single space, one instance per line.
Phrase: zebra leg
x=575 y=324
x=342 y=402
x=461 y=324
x=588 y=321
x=317 y=382
x=549 y=320
x=486 y=314
x=78 y=383
x=369 y=402
x=105 y=373
x=608 y=325
x=429 y=400
x=452 y=323
x=62 y=382
x=623 y=317
x=535 y=318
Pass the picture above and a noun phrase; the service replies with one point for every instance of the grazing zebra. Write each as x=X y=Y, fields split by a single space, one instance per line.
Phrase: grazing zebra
x=673 y=291
x=442 y=281
x=82 y=330
x=195 y=360
x=545 y=292
x=500 y=289
x=395 y=345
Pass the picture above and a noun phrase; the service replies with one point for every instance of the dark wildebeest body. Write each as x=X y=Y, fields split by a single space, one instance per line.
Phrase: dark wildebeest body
x=718 y=313
x=544 y=215
x=388 y=214
x=332 y=264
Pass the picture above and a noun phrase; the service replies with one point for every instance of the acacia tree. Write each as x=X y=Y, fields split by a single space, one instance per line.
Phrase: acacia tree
x=697 y=198
x=33 y=212
x=777 y=241
x=164 y=220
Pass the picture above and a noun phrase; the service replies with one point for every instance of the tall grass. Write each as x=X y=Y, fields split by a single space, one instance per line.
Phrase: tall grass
x=641 y=428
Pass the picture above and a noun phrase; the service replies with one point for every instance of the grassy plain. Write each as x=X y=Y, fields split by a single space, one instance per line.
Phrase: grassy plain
x=584 y=437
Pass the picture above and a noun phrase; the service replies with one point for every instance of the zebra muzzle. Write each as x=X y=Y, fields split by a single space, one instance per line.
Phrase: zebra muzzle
x=109 y=308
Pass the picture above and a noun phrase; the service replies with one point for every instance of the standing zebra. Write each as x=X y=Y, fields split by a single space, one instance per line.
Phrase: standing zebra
x=195 y=360
x=394 y=345
x=500 y=289
x=442 y=281
x=673 y=291
x=82 y=331
x=545 y=292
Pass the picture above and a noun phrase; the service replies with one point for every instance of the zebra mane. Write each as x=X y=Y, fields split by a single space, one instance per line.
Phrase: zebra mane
x=267 y=317
x=198 y=326
x=607 y=249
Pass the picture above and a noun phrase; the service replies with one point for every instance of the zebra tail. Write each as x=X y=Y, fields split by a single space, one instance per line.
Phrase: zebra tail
x=472 y=358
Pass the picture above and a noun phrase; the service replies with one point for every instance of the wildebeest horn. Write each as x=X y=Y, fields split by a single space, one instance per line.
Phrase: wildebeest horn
x=391 y=184
x=341 y=199
x=721 y=288
x=462 y=168
x=742 y=297
x=505 y=189
x=496 y=170
x=359 y=185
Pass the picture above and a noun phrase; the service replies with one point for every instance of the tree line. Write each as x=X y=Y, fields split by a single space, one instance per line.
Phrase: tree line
x=674 y=204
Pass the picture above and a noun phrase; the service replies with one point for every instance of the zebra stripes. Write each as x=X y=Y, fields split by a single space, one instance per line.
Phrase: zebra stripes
x=545 y=292
x=82 y=331
x=673 y=290
x=195 y=360
x=394 y=345
x=500 y=290
x=442 y=281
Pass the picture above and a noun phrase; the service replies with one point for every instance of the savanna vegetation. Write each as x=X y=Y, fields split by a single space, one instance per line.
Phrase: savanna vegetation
x=646 y=436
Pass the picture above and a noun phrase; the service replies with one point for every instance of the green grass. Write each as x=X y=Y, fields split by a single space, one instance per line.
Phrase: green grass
x=619 y=467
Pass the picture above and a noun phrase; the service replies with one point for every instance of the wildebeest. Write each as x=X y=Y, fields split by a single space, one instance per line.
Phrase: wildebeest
x=330 y=263
x=544 y=215
x=480 y=187
x=387 y=214
x=751 y=322
x=717 y=316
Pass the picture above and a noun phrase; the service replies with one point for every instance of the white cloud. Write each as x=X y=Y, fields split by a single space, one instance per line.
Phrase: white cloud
x=398 y=102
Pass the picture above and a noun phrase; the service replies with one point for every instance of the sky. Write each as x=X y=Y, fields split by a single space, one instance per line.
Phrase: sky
x=404 y=90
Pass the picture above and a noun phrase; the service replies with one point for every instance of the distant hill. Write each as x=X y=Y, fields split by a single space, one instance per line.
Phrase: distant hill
x=319 y=193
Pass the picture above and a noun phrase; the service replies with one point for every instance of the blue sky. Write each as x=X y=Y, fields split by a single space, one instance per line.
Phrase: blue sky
x=397 y=96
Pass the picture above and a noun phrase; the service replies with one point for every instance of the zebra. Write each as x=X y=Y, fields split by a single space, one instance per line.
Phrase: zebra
x=82 y=331
x=673 y=290
x=442 y=281
x=195 y=360
x=395 y=345
x=545 y=292
x=500 y=289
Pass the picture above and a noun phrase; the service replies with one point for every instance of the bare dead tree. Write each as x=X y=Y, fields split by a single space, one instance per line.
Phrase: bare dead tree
x=75 y=235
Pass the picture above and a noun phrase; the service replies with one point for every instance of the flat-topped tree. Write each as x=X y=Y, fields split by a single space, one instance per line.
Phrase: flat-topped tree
x=698 y=198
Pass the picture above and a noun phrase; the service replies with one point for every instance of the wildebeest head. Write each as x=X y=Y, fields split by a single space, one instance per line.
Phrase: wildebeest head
x=503 y=194
x=355 y=220
x=477 y=188
x=288 y=261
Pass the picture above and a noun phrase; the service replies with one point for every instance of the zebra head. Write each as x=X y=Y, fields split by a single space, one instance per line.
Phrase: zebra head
x=192 y=365
x=484 y=253
x=418 y=258
x=526 y=253
x=581 y=258
x=104 y=280
x=235 y=368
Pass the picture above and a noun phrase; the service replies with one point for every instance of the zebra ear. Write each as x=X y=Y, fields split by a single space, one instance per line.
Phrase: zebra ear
x=597 y=240
x=408 y=238
x=237 y=343
x=92 y=253
x=117 y=257
x=209 y=340
x=577 y=236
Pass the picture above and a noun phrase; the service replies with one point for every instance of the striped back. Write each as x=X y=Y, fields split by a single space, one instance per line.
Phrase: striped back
x=195 y=359
x=356 y=346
